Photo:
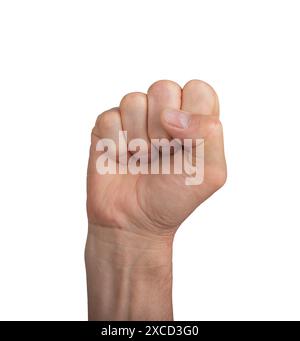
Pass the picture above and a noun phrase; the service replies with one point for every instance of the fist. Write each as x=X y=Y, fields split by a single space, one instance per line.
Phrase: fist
x=129 y=186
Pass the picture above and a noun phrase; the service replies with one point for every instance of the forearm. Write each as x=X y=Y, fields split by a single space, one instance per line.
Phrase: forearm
x=129 y=276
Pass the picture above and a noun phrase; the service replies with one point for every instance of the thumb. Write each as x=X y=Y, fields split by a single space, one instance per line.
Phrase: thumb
x=183 y=125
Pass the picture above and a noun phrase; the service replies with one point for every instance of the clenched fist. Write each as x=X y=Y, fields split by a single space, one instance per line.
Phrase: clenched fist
x=133 y=216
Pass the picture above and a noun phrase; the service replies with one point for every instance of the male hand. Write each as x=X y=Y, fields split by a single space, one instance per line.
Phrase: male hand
x=133 y=217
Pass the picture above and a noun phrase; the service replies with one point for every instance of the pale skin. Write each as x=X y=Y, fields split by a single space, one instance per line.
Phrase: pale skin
x=133 y=218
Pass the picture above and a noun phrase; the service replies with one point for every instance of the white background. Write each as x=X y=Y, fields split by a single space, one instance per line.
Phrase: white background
x=63 y=62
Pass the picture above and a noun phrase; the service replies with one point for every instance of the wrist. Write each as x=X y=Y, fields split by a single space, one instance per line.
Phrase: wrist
x=122 y=248
x=129 y=274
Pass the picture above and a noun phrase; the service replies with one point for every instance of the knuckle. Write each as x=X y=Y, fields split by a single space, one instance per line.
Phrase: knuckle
x=106 y=119
x=132 y=98
x=196 y=84
x=212 y=126
x=160 y=85
x=215 y=124
x=207 y=126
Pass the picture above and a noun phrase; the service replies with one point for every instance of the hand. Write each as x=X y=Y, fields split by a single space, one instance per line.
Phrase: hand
x=157 y=203
x=133 y=218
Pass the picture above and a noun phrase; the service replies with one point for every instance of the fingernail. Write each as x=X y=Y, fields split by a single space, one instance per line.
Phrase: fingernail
x=177 y=119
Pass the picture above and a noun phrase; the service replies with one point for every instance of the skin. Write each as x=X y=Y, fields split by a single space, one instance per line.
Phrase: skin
x=133 y=218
